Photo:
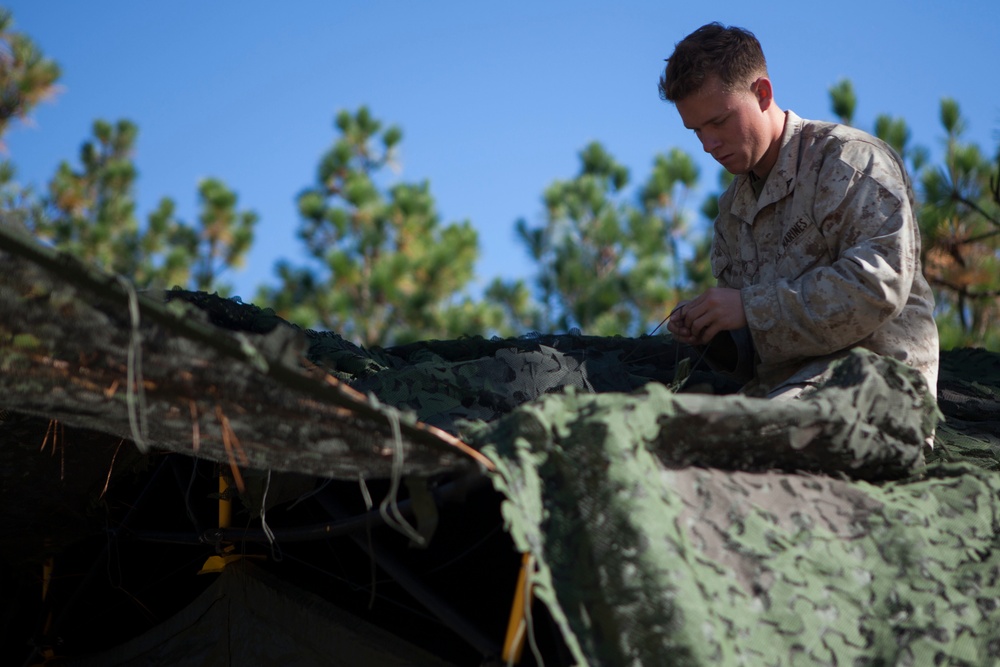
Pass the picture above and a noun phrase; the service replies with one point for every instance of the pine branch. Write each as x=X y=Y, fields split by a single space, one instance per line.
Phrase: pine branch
x=965 y=291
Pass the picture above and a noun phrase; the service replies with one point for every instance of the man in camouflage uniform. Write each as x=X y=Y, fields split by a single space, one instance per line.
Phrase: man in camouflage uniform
x=816 y=248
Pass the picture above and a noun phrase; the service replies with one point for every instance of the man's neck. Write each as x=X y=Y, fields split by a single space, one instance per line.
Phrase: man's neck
x=776 y=118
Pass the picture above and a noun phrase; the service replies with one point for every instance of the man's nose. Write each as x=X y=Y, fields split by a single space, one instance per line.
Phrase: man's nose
x=709 y=143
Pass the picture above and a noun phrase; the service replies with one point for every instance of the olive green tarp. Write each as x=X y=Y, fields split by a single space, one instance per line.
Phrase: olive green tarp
x=668 y=528
x=247 y=617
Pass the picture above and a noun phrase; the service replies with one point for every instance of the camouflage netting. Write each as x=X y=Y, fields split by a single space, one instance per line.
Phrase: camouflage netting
x=86 y=350
x=669 y=527
x=647 y=563
x=870 y=421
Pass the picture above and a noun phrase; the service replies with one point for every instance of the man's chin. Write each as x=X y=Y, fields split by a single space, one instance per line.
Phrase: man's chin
x=734 y=169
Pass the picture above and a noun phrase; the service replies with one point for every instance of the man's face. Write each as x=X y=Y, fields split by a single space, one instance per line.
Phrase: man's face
x=731 y=125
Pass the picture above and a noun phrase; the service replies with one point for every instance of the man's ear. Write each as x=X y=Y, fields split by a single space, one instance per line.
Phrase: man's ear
x=765 y=94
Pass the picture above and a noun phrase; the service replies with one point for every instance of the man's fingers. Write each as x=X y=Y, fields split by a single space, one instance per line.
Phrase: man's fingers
x=698 y=321
x=705 y=327
x=709 y=333
x=701 y=322
x=691 y=315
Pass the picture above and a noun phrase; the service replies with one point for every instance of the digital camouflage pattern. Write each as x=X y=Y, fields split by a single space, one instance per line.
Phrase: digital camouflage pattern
x=829 y=256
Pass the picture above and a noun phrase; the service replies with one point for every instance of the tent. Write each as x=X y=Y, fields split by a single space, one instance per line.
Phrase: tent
x=247 y=617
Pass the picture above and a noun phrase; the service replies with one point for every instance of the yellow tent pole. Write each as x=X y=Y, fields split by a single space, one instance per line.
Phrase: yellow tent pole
x=225 y=505
x=215 y=564
x=517 y=626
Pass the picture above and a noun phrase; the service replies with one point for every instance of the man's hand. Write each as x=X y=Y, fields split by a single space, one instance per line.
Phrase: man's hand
x=696 y=322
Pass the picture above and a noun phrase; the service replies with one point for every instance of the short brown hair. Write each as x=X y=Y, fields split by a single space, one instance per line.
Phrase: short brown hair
x=733 y=54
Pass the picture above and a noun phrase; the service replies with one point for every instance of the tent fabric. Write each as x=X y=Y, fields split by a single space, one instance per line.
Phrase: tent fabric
x=248 y=617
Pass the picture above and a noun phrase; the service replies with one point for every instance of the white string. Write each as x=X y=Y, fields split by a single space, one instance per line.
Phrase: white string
x=529 y=622
x=135 y=389
x=263 y=519
x=515 y=642
x=365 y=493
x=368 y=536
x=389 y=504
x=526 y=624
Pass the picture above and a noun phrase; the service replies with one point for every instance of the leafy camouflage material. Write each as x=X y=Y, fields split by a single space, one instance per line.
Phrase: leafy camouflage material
x=646 y=563
x=668 y=528
x=969 y=395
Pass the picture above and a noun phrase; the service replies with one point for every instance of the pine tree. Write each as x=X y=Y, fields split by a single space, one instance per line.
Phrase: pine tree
x=26 y=76
x=90 y=212
x=843 y=100
x=959 y=219
x=382 y=267
x=607 y=264
x=224 y=238
x=960 y=224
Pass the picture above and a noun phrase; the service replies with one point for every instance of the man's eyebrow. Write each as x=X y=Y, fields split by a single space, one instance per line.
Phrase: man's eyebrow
x=711 y=120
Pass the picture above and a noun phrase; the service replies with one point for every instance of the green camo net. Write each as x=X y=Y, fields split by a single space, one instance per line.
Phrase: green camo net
x=672 y=521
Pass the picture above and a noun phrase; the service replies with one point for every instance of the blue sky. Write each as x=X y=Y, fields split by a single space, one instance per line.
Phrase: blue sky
x=495 y=99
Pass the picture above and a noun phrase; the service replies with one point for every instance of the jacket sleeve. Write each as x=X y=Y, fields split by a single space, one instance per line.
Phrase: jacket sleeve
x=853 y=269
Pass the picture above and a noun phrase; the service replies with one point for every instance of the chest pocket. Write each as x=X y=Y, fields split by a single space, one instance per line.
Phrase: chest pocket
x=723 y=269
x=802 y=246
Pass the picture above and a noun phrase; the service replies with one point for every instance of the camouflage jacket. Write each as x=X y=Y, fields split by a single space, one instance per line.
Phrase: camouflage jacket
x=828 y=258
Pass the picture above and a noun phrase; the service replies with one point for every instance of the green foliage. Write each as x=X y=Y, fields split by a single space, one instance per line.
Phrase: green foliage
x=90 y=212
x=896 y=133
x=383 y=269
x=521 y=312
x=225 y=234
x=844 y=100
x=960 y=225
x=606 y=264
x=26 y=76
x=959 y=218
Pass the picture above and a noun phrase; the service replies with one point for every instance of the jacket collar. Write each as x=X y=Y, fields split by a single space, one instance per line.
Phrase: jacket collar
x=780 y=181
